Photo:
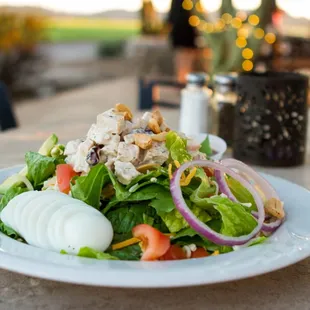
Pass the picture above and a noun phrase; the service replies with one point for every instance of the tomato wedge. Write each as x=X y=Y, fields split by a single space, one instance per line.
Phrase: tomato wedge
x=154 y=243
x=64 y=174
x=200 y=252
x=174 y=253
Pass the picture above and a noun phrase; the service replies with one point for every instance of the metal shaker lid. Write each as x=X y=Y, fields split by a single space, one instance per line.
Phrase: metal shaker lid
x=197 y=78
x=226 y=78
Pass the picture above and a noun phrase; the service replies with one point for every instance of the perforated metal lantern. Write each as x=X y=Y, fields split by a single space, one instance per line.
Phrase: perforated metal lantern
x=271 y=119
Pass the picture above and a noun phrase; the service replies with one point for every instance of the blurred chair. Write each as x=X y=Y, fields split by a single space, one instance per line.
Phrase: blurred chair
x=7 y=117
x=147 y=92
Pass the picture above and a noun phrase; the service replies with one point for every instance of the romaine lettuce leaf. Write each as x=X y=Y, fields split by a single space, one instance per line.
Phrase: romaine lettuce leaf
x=241 y=193
x=177 y=147
x=9 y=231
x=199 y=196
x=175 y=221
x=40 y=168
x=91 y=253
x=144 y=179
x=10 y=194
x=236 y=221
x=88 y=188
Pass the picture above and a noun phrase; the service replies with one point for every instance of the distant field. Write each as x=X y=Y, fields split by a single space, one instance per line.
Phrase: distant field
x=63 y=29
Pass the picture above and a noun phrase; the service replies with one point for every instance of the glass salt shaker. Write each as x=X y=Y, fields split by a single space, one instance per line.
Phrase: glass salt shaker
x=223 y=106
x=195 y=99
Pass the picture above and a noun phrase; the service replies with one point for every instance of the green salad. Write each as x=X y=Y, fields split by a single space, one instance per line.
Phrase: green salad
x=160 y=191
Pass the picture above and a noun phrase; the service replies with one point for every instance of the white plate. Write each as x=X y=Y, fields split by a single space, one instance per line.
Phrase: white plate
x=290 y=244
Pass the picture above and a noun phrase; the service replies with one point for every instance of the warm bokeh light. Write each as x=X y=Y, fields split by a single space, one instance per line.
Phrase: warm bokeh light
x=199 y=7
x=247 y=65
x=209 y=27
x=259 y=33
x=236 y=22
x=220 y=24
x=202 y=25
x=243 y=32
x=247 y=5
x=227 y=18
x=194 y=21
x=211 y=6
x=253 y=20
x=241 y=42
x=296 y=8
x=247 y=53
x=187 y=4
x=242 y=15
x=270 y=38
x=160 y=5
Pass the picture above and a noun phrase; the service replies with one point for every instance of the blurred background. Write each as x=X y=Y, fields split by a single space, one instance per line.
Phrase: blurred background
x=47 y=47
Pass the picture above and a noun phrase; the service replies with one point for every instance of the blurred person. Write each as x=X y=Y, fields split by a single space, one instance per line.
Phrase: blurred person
x=184 y=39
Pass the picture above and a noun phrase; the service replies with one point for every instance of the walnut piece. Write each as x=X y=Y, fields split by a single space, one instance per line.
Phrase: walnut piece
x=143 y=141
x=154 y=126
x=158 y=117
x=274 y=207
x=160 y=137
x=119 y=107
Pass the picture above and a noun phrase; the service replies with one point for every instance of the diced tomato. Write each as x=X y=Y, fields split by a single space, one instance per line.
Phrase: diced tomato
x=200 y=252
x=174 y=253
x=154 y=243
x=64 y=174
x=209 y=172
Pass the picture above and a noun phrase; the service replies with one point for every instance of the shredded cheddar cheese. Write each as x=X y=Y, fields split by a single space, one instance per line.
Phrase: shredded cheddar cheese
x=170 y=171
x=125 y=243
x=177 y=164
x=215 y=253
x=189 y=177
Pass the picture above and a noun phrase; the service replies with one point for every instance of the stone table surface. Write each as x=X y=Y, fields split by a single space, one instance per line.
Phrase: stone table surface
x=70 y=115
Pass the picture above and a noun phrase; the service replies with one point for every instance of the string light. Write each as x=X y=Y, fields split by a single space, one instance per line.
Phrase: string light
x=259 y=33
x=270 y=38
x=202 y=25
x=209 y=27
x=253 y=20
x=241 y=42
x=220 y=24
x=199 y=7
x=247 y=53
x=243 y=32
x=247 y=65
x=187 y=5
x=194 y=21
x=227 y=18
x=236 y=22
x=242 y=15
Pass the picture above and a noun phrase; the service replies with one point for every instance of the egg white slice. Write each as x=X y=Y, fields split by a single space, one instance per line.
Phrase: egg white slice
x=10 y=214
x=56 y=232
x=38 y=207
x=41 y=200
x=93 y=231
x=60 y=216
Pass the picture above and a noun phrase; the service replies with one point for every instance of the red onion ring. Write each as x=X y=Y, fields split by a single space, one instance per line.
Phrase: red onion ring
x=269 y=227
x=223 y=187
x=267 y=189
x=199 y=226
